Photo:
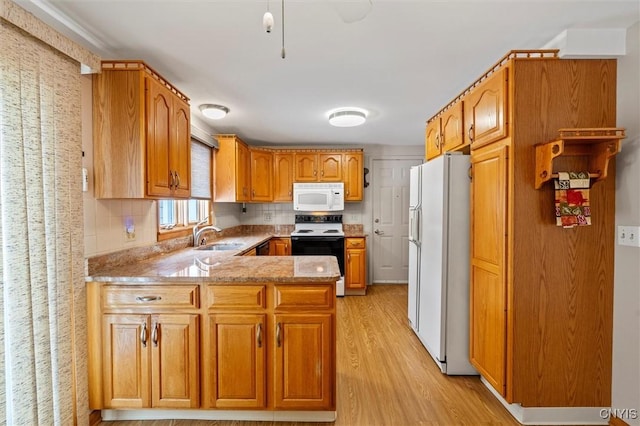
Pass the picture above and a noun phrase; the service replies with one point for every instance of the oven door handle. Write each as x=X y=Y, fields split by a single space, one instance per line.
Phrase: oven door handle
x=311 y=239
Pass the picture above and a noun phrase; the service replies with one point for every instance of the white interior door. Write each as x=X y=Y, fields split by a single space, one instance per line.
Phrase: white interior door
x=390 y=245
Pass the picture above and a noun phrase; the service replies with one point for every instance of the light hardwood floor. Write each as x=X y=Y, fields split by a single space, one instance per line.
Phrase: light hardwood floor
x=385 y=376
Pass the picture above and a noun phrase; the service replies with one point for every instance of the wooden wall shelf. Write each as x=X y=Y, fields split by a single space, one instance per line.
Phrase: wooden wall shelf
x=599 y=144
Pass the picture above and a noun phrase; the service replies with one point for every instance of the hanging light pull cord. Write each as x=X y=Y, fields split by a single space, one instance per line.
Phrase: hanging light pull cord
x=283 y=53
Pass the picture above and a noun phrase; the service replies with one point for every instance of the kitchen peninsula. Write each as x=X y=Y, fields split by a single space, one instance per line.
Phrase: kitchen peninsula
x=204 y=334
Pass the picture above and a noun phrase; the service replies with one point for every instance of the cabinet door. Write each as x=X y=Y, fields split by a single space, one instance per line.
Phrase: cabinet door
x=243 y=168
x=180 y=149
x=330 y=166
x=485 y=111
x=159 y=175
x=305 y=167
x=433 y=148
x=283 y=177
x=238 y=353
x=353 y=176
x=452 y=128
x=126 y=358
x=175 y=359
x=261 y=175
x=280 y=247
x=304 y=370
x=488 y=298
x=355 y=264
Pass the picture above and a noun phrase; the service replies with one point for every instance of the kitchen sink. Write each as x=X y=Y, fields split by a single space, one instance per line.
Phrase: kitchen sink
x=222 y=246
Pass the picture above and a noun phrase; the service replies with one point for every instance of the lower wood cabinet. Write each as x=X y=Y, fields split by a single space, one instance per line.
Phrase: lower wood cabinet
x=257 y=346
x=238 y=376
x=304 y=365
x=355 y=268
x=151 y=361
x=280 y=246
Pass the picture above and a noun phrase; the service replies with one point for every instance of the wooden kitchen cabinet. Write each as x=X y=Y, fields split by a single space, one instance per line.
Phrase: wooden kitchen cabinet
x=433 y=145
x=488 y=293
x=541 y=296
x=151 y=361
x=353 y=163
x=261 y=175
x=304 y=361
x=283 y=176
x=232 y=164
x=485 y=110
x=238 y=360
x=141 y=132
x=355 y=266
x=317 y=167
x=280 y=246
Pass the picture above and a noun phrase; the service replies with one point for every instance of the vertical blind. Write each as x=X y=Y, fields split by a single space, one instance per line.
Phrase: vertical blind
x=200 y=170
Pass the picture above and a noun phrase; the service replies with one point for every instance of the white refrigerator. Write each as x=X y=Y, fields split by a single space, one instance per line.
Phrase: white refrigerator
x=439 y=260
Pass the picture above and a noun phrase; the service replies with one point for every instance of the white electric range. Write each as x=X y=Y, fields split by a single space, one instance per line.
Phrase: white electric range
x=317 y=235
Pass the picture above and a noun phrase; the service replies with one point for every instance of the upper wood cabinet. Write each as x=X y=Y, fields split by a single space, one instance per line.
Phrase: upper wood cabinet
x=433 y=145
x=261 y=175
x=485 y=110
x=282 y=176
x=318 y=167
x=141 y=132
x=353 y=166
x=232 y=164
x=452 y=128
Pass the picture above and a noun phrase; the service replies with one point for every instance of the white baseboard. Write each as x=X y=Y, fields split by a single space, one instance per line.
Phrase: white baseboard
x=240 y=415
x=552 y=415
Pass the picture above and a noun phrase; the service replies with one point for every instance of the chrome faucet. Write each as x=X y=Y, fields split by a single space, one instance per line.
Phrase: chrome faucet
x=197 y=231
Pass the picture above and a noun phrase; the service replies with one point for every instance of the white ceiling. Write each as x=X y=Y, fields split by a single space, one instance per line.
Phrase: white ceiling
x=403 y=61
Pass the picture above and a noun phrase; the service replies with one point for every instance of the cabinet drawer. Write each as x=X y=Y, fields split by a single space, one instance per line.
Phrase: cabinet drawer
x=355 y=243
x=297 y=297
x=245 y=297
x=147 y=296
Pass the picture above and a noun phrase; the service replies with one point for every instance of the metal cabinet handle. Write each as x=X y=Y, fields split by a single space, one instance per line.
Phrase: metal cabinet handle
x=315 y=172
x=148 y=298
x=322 y=173
x=347 y=192
x=172 y=179
x=438 y=141
x=348 y=257
x=278 y=333
x=259 y=335
x=154 y=335
x=143 y=335
x=177 y=180
x=469 y=133
x=253 y=192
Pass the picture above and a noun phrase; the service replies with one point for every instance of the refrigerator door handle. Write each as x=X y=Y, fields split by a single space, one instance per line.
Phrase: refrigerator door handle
x=414 y=225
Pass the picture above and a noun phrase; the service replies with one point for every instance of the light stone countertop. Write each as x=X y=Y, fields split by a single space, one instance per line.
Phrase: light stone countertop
x=190 y=265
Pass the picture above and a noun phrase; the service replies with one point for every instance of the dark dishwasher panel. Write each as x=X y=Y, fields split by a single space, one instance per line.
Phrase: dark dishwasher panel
x=263 y=249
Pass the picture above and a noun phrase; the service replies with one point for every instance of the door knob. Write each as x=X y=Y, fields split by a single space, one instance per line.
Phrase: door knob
x=378 y=232
x=377 y=221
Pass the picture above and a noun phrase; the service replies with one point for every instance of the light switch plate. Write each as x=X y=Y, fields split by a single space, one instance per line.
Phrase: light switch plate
x=629 y=235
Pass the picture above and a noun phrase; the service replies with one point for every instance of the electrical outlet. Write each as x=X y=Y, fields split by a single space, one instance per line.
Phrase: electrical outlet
x=267 y=216
x=629 y=235
x=129 y=232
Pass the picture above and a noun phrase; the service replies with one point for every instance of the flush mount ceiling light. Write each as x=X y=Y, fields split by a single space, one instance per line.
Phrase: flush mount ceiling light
x=213 y=111
x=347 y=117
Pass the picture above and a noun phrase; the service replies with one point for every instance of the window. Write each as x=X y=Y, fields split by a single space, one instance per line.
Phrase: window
x=181 y=213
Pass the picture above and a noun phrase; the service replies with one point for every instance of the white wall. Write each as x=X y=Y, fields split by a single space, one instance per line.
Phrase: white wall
x=626 y=307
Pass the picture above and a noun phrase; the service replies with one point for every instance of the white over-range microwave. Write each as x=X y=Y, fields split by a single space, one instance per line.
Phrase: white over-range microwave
x=318 y=197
